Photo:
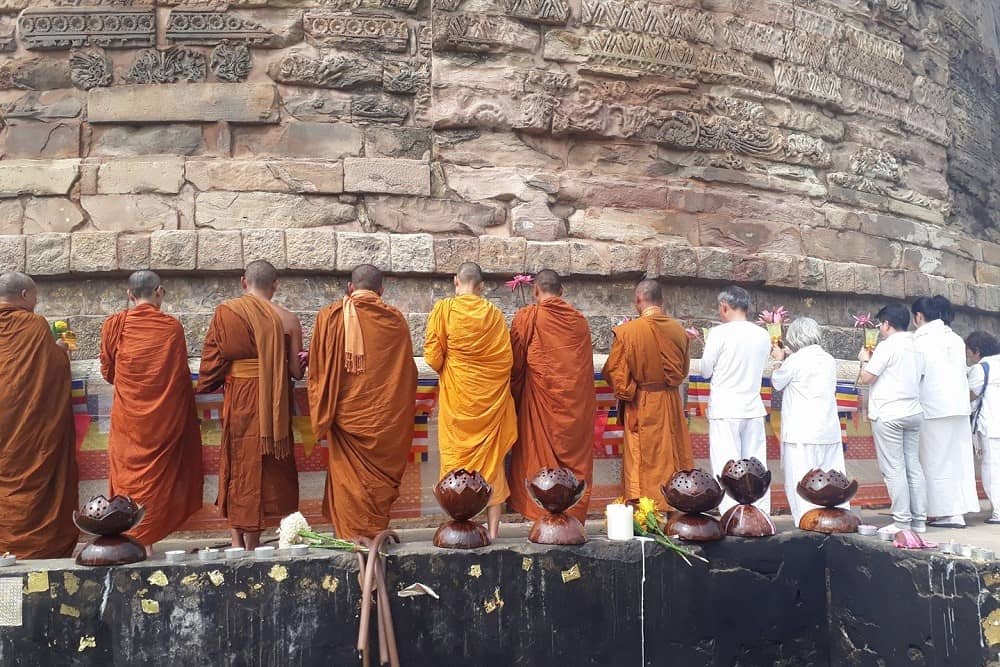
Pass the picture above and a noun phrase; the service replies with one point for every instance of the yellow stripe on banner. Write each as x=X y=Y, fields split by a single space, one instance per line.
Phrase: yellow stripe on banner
x=94 y=440
x=211 y=433
x=302 y=432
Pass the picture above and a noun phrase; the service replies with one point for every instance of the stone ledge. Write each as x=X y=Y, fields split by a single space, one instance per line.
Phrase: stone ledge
x=188 y=102
x=327 y=250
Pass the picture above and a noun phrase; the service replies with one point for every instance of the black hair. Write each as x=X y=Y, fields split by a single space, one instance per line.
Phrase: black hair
x=982 y=343
x=896 y=315
x=934 y=308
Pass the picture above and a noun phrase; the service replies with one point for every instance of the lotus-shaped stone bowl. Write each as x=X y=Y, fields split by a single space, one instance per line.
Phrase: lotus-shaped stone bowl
x=555 y=489
x=101 y=516
x=746 y=480
x=463 y=494
x=693 y=491
x=826 y=488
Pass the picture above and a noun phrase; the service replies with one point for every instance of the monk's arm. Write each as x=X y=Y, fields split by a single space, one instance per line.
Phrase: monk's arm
x=295 y=368
x=214 y=366
x=519 y=348
x=107 y=356
x=319 y=386
x=617 y=373
x=434 y=339
x=709 y=357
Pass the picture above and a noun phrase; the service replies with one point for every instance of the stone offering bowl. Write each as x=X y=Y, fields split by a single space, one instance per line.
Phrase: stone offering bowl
x=746 y=480
x=108 y=519
x=826 y=488
x=101 y=516
x=462 y=494
x=556 y=490
x=693 y=491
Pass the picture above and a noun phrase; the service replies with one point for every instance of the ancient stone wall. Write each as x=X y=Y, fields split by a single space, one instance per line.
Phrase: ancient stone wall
x=828 y=153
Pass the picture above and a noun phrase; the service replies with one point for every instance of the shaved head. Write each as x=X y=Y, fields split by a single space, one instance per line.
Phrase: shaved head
x=14 y=284
x=650 y=292
x=547 y=281
x=366 y=276
x=260 y=274
x=469 y=274
x=143 y=284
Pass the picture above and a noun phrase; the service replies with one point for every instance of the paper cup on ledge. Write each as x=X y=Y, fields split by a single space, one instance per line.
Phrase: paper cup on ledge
x=297 y=550
x=175 y=556
x=208 y=554
x=264 y=553
x=235 y=552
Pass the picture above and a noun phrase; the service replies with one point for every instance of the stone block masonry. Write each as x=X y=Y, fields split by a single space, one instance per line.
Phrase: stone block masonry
x=816 y=152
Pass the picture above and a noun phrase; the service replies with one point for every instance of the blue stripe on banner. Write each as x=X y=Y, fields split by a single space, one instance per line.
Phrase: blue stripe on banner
x=427 y=382
x=421 y=419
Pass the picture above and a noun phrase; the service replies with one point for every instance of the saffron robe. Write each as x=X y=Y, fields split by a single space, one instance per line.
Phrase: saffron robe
x=154 y=445
x=38 y=471
x=366 y=418
x=553 y=387
x=468 y=344
x=647 y=364
x=252 y=485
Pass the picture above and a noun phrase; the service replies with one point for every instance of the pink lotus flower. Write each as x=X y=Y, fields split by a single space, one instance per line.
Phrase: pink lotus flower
x=865 y=321
x=907 y=539
x=518 y=281
x=693 y=333
x=777 y=316
x=304 y=357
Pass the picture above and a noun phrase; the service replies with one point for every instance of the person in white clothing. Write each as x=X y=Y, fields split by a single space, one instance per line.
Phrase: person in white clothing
x=894 y=371
x=945 y=435
x=810 y=428
x=735 y=355
x=983 y=354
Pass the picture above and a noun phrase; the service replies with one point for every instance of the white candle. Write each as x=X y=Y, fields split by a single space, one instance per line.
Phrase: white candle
x=619 y=522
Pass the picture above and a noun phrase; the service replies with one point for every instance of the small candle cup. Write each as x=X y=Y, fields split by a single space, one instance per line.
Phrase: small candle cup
x=208 y=554
x=235 y=552
x=264 y=553
x=620 y=526
x=298 y=550
x=867 y=530
x=175 y=556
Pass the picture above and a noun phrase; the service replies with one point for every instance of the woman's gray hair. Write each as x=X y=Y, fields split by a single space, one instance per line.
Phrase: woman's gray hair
x=803 y=332
x=736 y=297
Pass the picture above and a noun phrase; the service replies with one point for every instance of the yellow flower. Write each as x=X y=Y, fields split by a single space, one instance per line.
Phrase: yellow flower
x=647 y=505
x=639 y=518
x=59 y=326
x=620 y=500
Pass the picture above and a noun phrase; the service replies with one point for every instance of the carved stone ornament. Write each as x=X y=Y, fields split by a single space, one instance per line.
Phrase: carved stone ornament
x=90 y=69
x=201 y=28
x=378 y=109
x=330 y=71
x=405 y=76
x=550 y=12
x=231 y=62
x=169 y=66
x=73 y=27
x=357 y=32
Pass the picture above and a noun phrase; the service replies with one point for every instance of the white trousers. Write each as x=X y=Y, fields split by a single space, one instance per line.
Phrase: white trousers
x=734 y=439
x=897 y=446
x=949 y=466
x=797 y=460
x=991 y=471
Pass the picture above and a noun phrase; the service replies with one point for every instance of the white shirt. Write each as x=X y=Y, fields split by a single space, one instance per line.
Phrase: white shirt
x=809 y=403
x=898 y=368
x=944 y=391
x=734 y=358
x=989 y=418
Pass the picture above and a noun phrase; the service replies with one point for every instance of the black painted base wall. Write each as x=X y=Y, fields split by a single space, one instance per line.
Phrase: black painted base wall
x=794 y=600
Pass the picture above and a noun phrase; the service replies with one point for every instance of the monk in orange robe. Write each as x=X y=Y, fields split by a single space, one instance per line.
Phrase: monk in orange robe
x=468 y=344
x=38 y=473
x=553 y=387
x=252 y=347
x=648 y=363
x=362 y=401
x=154 y=446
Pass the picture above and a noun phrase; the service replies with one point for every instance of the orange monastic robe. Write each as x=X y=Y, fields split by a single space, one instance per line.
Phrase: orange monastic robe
x=38 y=473
x=468 y=344
x=154 y=446
x=252 y=484
x=553 y=386
x=367 y=418
x=648 y=363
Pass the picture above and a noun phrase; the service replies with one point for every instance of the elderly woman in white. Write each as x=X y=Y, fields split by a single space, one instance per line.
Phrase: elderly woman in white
x=810 y=429
x=945 y=435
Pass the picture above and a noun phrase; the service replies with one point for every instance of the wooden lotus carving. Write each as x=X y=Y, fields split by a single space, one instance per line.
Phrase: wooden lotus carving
x=108 y=519
x=693 y=492
x=828 y=488
x=463 y=495
x=556 y=490
x=746 y=480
